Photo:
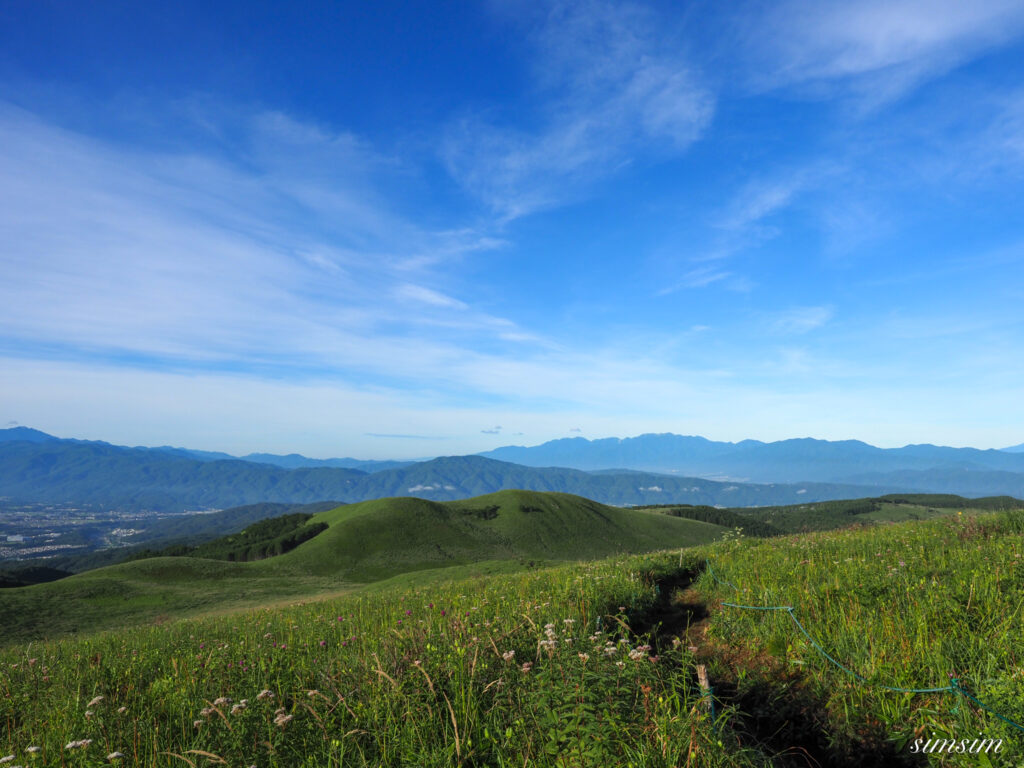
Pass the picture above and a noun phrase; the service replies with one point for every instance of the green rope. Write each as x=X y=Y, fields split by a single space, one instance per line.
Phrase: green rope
x=709 y=694
x=860 y=677
x=711 y=571
x=953 y=687
x=761 y=607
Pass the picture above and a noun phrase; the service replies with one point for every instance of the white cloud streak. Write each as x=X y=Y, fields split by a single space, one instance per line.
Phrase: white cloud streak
x=879 y=48
x=196 y=259
x=800 y=320
x=612 y=89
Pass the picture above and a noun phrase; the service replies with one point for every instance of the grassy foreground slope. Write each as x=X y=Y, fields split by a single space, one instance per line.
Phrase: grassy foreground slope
x=581 y=664
x=534 y=668
x=910 y=605
x=364 y=542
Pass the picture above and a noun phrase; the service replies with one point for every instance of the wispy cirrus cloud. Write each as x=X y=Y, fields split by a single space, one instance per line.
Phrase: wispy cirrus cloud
x=611 y=88
x=744 y=223
x=880 y=49
x=799 y=320
x=235 y=258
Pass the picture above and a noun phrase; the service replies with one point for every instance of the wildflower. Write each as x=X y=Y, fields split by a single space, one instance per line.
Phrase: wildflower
x=282 y=720
x=568 y=621
x=264 y=695
x=508 y=655
x=197 y=723
x=33 y=750
x=313 y=693
x=88 y=714
x=207 y=712
x=239 y=707
x=95 y=701
x=527 y=666
x=6 y=759
x=115 y=756
x=78 y=744
x=221 y=701
x=620 y=664
x=584 y=656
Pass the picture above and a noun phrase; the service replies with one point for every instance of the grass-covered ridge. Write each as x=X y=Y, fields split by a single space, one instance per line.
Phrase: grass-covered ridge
x=363 y=543
x=376 y=539
x=828 y=515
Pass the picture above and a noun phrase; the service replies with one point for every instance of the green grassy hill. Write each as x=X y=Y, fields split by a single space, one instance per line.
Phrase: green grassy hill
x=364 y=542
x=377 y=539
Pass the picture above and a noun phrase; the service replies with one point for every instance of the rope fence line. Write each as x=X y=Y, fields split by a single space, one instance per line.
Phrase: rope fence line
x=954 y=686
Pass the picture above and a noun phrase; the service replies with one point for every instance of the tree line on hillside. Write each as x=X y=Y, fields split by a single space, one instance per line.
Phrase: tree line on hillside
x=267 y=538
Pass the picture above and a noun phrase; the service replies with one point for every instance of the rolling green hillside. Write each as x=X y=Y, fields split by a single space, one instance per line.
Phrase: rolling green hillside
x=363 y=543
x=829 y=515
x=376 y=539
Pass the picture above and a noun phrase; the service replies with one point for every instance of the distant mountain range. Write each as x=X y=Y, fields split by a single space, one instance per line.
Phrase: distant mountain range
x=289 y=461
x=785 y=461
x=38 y=467
x=649 y=469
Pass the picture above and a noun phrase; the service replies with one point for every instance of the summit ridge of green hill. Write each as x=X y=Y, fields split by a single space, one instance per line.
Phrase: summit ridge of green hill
x=375 y=539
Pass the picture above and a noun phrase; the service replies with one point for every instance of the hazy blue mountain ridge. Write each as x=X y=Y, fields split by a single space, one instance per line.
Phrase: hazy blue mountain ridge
x=784 y=461
x=39 y=467
x=141 y=479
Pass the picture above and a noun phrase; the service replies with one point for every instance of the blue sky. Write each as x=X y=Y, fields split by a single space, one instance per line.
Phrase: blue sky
x=400 y=229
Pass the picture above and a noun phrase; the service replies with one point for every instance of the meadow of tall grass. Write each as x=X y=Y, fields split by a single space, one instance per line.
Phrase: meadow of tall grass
x=537 y=668
x=910 y=606
x=565 y=665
